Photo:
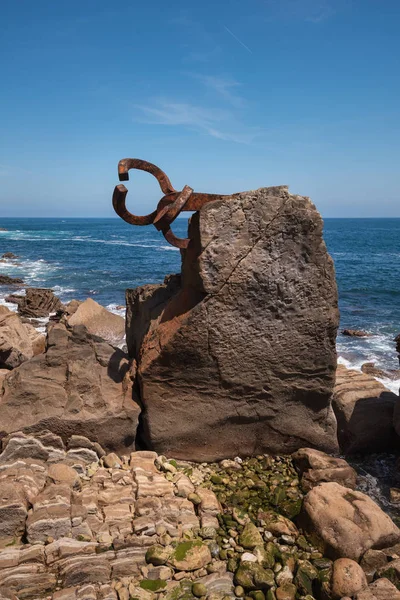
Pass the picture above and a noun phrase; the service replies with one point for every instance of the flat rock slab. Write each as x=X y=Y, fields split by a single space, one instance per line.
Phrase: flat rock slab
x=241 y=360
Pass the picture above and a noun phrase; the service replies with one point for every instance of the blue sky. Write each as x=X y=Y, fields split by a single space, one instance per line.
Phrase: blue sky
x=224 y=96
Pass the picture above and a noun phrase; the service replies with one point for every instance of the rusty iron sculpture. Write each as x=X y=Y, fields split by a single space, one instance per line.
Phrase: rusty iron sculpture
x=168 y=208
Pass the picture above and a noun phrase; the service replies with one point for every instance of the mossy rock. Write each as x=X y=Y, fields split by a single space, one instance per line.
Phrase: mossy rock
x=252 y=576
x=266 y=555
x=190 y=556
x=250 y=537
x=153 y=585
x=158 y=555
x=257 y=595
x=181 y=592
x=287 y=591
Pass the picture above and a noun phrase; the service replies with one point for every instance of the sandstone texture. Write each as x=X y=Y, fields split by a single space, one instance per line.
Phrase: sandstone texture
x=346 y=523
x=364 y=410
x=99 y=321
x=80 y=386
x=217 y=371
x=15 y=342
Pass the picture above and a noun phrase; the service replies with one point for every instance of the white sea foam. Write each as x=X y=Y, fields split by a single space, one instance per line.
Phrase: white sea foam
x=117 y=311
x=391 y=384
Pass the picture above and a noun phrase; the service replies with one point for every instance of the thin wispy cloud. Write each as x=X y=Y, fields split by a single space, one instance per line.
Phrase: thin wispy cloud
x=313 y=11
x=218 y=123
x=237 y=39
x=222 y=86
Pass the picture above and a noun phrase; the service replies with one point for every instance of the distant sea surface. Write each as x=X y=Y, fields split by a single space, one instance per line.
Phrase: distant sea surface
x=100 y=258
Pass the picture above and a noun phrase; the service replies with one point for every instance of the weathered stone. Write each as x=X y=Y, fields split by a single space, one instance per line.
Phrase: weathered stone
x=60 y=473
x=79 y=386
x=13 y=512
x=364 y=410
x=252 y=576
x=250 y=537
x=75 y=571
x=152 y=484
x=158 y=555
x=99 y=321
x=372 y=561
x=348 y=578
x=15 y=342
x=252 y=290
x=112 y=461
x=80 y=441
x=316 y=467
x=277 y=524
x=38 y=302
x=346 y=523
x=381 y=589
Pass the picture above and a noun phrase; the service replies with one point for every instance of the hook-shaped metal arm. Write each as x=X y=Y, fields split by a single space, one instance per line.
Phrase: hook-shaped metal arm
x=126 y=164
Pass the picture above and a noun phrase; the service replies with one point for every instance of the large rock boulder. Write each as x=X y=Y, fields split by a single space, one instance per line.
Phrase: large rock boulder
x=345 y=523
x=364 y=410
x=15 y=341
x=81 y=385
x=99 y=321
x=242 y=359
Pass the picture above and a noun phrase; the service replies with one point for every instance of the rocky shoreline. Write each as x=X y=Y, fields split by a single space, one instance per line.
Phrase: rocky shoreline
x=199 y=460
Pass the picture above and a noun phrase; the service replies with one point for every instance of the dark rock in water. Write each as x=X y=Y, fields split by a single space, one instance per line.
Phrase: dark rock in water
x=241 y=360
x=38 y=302
x=355 y=333
x=9 y=255
x=6 y=280
x=364 y=410
x=371 y=369
x=397 y=340
x=79 y=386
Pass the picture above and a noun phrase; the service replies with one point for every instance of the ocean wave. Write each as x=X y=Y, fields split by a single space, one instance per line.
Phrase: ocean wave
x=168 y=248
x=117 y=311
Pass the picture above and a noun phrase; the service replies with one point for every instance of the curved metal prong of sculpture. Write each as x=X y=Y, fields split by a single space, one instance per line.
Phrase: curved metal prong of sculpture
x=168 y=208
x=119 y=204
x=126 y=164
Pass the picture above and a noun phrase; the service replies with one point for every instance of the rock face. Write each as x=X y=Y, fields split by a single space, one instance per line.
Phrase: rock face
x=217 y=369
x=99 y=321
x=364 y=410
x=345 y=522
x=38 y=302
x=15 y=342
x=81 y=386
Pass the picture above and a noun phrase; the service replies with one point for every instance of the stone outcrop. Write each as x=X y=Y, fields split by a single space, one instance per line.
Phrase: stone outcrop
x=346 y=523
x=355 y=333
x=99 y=321
x=6 y=280
x=316 y=467
x=18 y=341
x=38 y=302
x=217 y=372
x=15 y=342
x=364 y=410
x=80 y=386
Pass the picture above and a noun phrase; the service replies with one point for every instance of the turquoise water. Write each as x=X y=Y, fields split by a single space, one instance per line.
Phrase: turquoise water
x=100 y=258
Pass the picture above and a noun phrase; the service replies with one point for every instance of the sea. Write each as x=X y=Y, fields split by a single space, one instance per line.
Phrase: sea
x=100 y=258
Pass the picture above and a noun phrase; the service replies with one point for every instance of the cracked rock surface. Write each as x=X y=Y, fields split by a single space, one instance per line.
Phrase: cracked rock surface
x=241 y=359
